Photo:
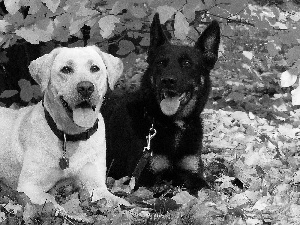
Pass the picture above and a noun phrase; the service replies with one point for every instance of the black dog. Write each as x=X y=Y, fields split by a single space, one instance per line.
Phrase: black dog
x=173 y=93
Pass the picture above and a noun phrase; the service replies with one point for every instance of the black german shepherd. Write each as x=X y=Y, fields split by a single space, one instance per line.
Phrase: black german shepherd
x=173 y=93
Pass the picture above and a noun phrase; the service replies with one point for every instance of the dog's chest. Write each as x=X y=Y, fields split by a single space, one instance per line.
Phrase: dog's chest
x=79 y=154
x=179 y=133
x=168 y=139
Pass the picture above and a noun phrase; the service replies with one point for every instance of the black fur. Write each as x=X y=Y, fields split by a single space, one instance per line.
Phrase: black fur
x=176 y=74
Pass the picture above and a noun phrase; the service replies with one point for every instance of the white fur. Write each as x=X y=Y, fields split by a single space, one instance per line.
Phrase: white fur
x=30 y=151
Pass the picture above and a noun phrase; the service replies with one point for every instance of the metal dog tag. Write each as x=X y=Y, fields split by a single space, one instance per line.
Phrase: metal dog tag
x=63 y=163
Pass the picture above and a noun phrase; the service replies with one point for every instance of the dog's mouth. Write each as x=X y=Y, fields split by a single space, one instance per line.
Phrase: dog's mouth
x=83 y=114
x=170 y=101
x=65 y=104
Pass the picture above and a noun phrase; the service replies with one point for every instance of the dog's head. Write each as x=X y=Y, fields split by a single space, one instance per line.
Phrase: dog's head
x=180 y=74
x=76 y=79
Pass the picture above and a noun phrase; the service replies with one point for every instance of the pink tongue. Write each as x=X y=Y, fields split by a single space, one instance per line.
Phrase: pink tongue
x=169 y=106
x=84 y=117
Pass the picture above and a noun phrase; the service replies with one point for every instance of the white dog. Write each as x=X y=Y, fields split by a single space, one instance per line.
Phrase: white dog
x=63 y=135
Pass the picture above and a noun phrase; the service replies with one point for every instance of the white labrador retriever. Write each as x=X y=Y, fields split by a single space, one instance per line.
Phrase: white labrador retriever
x=64 y=135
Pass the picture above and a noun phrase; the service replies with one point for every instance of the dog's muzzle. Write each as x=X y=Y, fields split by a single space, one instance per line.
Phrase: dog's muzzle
x=65 y=105
x=171 y=100
x=85 y=89
x=84 y=112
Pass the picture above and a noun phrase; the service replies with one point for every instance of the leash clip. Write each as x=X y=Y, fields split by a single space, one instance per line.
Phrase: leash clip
x=145 y=157
x=64 y=161
x=149 y=137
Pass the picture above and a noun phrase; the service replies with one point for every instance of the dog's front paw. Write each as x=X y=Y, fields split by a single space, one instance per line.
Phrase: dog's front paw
x=109 y=197
x=120 y=201
x=51 y=202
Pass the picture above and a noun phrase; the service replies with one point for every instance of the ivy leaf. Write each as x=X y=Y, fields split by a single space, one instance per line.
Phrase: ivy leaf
x=145 y=41
x=134 y=25
x=34 y=6
x=12 y=6
x=107 y=25
x=165 y=13
x=181 y=26
x=118 y=7
x=52 y=4
x=77 y=24
x=62 y=24
x=79 y=9
x=192 y=6
x=287 y=79
x=138 y=11
x=41 y=31
x=125 y=47
x=8 y=93
x=26 y=92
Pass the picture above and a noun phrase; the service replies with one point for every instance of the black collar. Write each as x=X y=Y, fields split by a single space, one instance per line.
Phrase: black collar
x=70 y=137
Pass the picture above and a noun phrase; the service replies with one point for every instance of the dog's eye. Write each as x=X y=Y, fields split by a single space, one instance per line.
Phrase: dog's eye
x=94 y=69
x=187 y=63
x=66 y=69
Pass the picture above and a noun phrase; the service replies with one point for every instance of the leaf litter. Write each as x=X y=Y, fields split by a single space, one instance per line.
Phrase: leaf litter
x=250 y=152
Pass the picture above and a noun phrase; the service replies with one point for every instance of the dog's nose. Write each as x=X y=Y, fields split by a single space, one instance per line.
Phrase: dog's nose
x=85 y=88
x=168 y=82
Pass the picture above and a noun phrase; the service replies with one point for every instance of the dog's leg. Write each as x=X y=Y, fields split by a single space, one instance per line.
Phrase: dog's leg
x=39 y=197
x=34 y=182
x=93 y=178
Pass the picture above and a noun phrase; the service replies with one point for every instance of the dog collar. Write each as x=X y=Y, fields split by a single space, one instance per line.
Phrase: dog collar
x=69 y=137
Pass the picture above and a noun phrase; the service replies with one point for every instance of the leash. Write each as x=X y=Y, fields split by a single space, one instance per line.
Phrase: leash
x=147 y=153
x=64 y=161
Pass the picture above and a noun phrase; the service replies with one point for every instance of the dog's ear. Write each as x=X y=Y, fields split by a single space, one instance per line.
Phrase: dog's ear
x=157 y=35
x=40 y=68
x=208 y=43
x=114 y=66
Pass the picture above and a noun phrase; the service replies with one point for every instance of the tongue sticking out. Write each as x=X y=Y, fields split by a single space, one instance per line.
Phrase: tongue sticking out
x=169 y=106
x=84 y=117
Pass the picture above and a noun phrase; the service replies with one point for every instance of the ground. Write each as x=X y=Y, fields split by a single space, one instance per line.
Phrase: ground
x=250 y=154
